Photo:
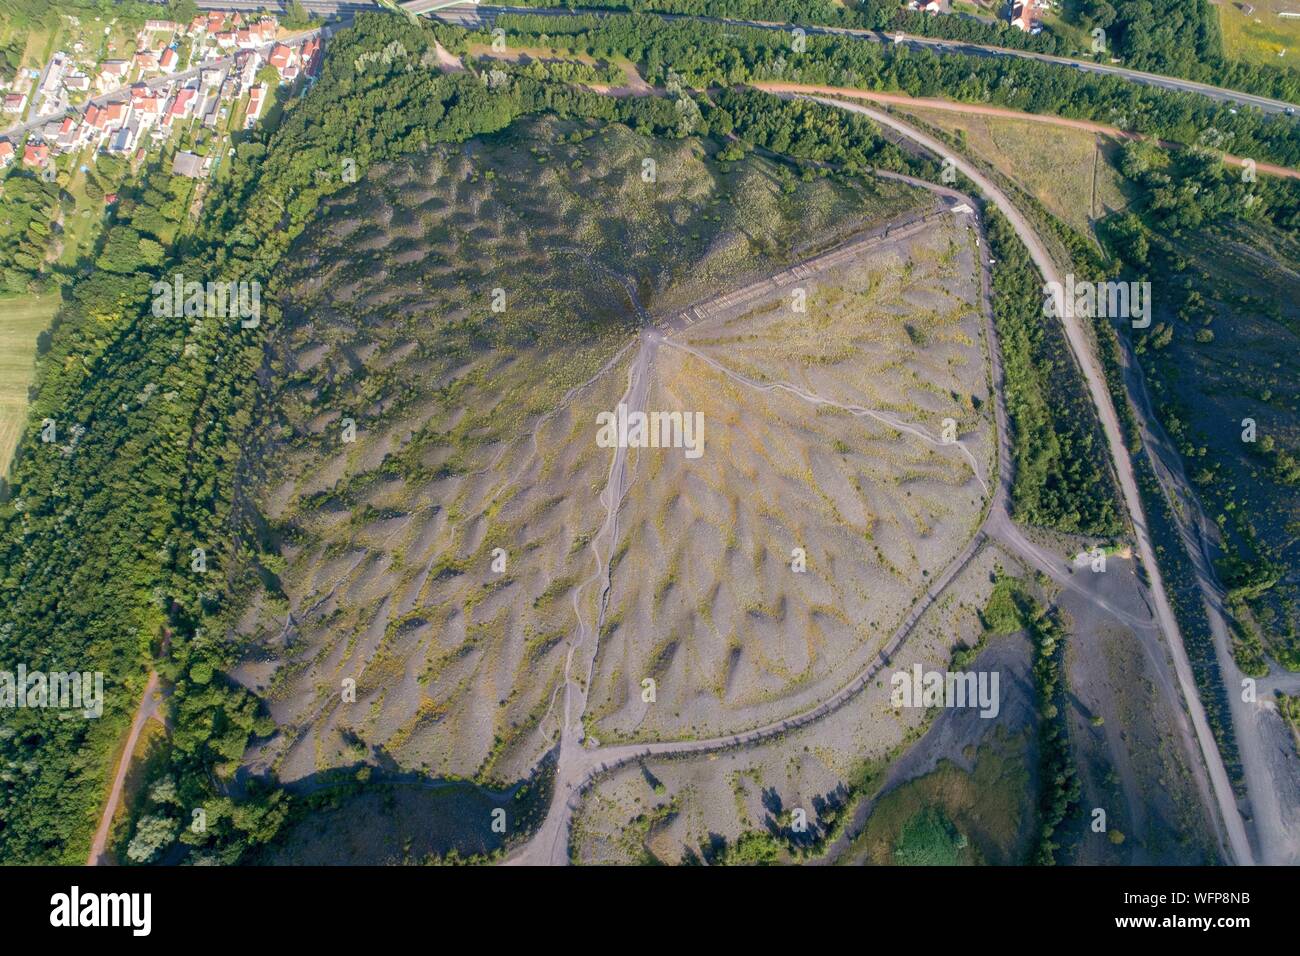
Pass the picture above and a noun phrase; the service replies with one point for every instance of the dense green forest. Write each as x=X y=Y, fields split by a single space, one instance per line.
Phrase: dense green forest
x=705 y=54
x=1186 y=197
x=1171 y=37
x=1062 y=476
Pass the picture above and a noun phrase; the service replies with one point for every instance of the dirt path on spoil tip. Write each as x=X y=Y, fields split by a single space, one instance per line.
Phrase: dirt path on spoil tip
x=975 y=109
x=578 y=765
x=1100 y=395
x=148 y=707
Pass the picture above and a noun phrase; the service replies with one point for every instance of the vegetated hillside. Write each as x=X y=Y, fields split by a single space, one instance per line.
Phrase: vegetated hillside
x=1219 y=250
x=468 y=309
x=703 y=598
x=98 y=534
x=1080 y=186
x=1062 y=477
x=1222 y=357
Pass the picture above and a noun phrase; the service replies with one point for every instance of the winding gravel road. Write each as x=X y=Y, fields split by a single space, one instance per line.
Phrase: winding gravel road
x=1095 y=378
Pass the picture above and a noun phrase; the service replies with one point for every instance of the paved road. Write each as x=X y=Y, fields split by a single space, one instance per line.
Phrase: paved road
x=934 y=45
x=1095 y=378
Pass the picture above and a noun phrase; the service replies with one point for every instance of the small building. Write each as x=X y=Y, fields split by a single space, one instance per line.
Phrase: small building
x=182 y=107
x=6 y=153
x=256 y=101
x=124 y=140
x=169 y=60
x=191 y=165
x=36 y=155
x=15 y=102
x=311 y=57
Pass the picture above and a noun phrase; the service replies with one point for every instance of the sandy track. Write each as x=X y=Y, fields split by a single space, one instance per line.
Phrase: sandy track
x=148 y=707
x=577 y=766
x=1100 y=395
x=974 y=109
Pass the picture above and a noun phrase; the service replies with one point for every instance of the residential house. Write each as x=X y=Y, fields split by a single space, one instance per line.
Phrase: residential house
x=264 y=30
x=113 y=73
x=6 y=153
x=149 y=109
x=36 y=155
x=169 y=60
x=247 y=63
x=15 y=102
x=70 y=134
x=124 y=140
x=1024 y=16
x=311 y=57
x=189 y=164
x=182 y=106
x=256 y=102
x=285 y=60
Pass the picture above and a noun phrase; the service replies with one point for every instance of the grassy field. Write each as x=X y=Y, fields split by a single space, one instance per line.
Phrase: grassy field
x=22 y=319
x=950 y=816
x=1069 y=171
x=1262 y=37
